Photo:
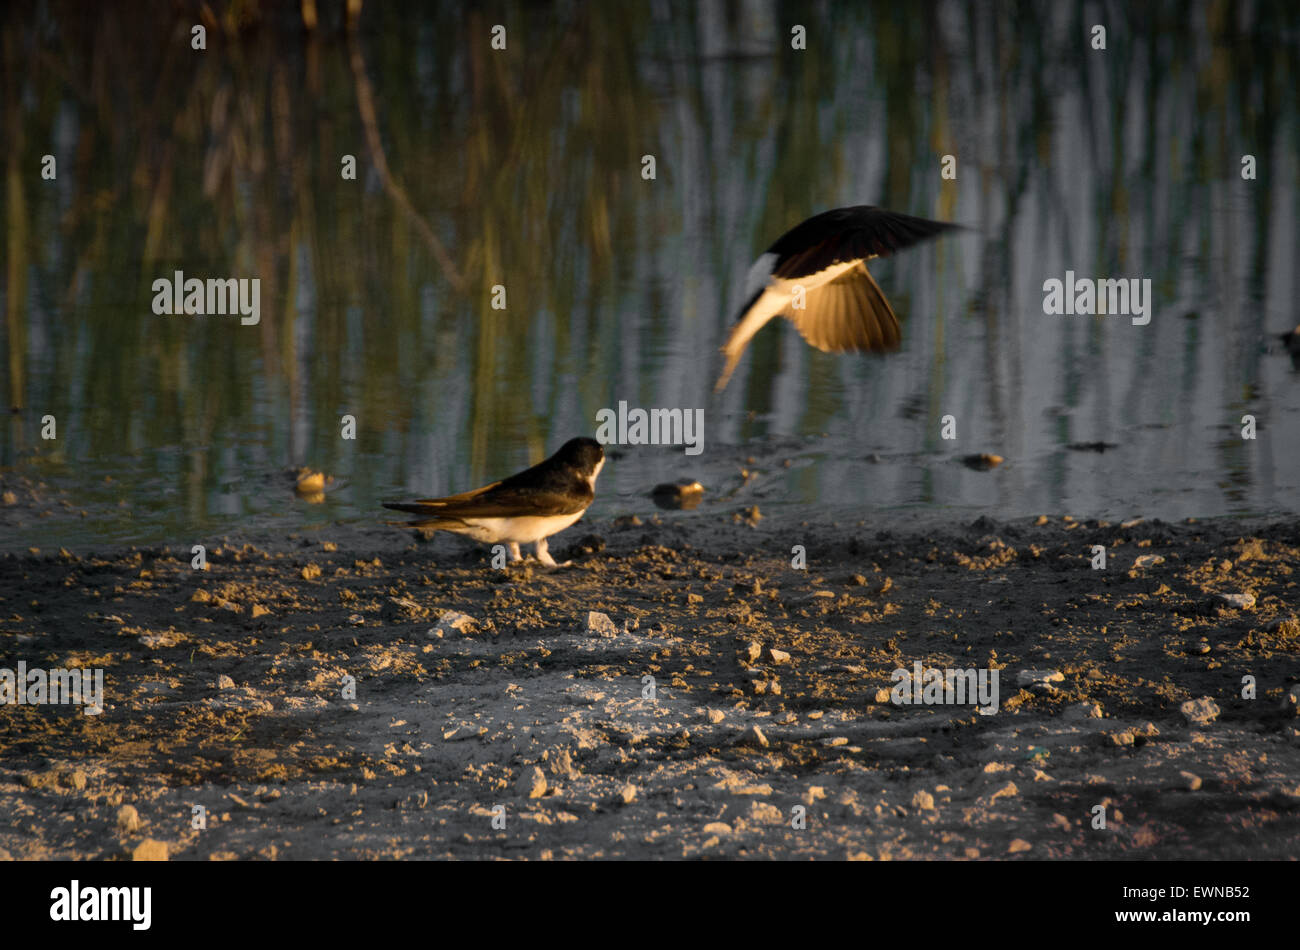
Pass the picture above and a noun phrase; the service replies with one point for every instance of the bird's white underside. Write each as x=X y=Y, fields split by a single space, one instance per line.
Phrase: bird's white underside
x=777 y=295
x=521 y=529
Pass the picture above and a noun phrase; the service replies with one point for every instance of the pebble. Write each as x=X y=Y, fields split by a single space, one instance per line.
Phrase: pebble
x=1018 y=845
x=778 y=656
x=685 y=493
x=599 y=625
x=1288 y=627
x=225 y=682
x=766 y=813
x=1040 y=680
x=1193 y=780
x=813 y=794
x=128 y=819
x=753 y=736
x=1237 y=601
x=1148 y=560
x=453 y=621
x=1006 y=791
x=923 y=800
x=532 y=784
x=627 y=794
x=750 y=652
x=1199 y=712
x=716 y=716
x=150 y=850
x=403 y=608
x=982 y=462
x=717 y=828
x=1083 y=711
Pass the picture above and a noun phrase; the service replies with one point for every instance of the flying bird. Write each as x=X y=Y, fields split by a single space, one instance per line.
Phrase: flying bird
x=526 y=508
x=816 y=276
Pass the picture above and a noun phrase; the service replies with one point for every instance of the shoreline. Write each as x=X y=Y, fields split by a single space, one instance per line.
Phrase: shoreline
x=226 y=689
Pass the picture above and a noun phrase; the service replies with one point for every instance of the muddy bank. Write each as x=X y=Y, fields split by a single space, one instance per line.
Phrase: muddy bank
x=310 y=696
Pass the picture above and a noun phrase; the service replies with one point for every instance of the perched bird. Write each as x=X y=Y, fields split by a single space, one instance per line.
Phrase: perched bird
x=842 y=308
x=522 y=509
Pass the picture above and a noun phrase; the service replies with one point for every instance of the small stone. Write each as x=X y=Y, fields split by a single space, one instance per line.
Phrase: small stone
x=403 y=608
x=717 y=828
x=128 y=819
x=309 y=482
x=778 y=656
x=1287 y=627
x=765 y=812
x=1018 y=845
x=1006 y=791
x=1039 y=521
x=982 y=462
x=1124 y=737
x=1040 y=680
x=225 y=682
x=750 y=652
x=310 y=572
x=1237 y=601
x=716 y=716
x=1083 y=712
x=532 y=784
x=1193 y=780
x=150 y=850
x=259 y=611
x=882 y=695
x=923 y=801
x=753 y=736
x=599 y=625
x=77 y=780
x=813 y=794
x=685 y=493
x=1147 y=560
x=1199 y=712
x=627 y=794
x=451 y=622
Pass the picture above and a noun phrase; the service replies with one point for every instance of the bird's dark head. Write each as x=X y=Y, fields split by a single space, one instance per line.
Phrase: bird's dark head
x=586 y=455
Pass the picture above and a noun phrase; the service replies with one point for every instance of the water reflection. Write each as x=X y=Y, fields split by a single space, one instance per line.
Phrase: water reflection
x=523 y=169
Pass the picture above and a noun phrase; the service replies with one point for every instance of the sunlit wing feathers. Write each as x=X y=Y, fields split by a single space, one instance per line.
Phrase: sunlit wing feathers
x=821 y=264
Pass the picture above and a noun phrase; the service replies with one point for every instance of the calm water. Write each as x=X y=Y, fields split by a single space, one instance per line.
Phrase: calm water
x=523 y=168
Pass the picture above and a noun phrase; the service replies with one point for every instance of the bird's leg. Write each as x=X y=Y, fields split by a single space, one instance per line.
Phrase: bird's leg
x=544 y=555
x=515 y=553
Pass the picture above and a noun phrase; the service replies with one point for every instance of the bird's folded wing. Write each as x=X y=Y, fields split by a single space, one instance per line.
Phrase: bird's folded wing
x=847 y=315
x=852 y=234
x=496 y=501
